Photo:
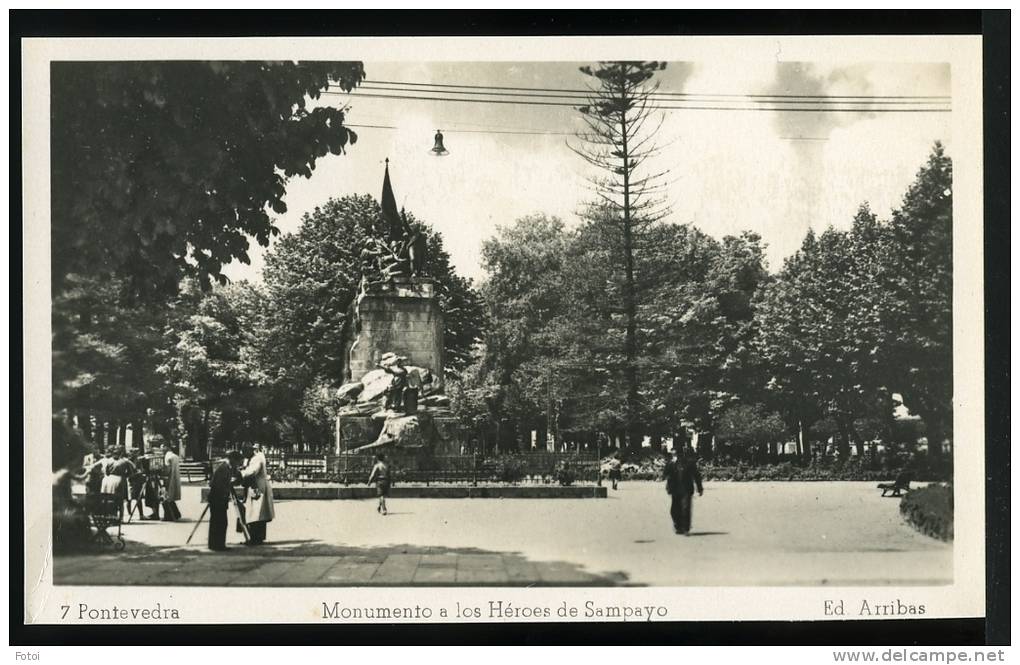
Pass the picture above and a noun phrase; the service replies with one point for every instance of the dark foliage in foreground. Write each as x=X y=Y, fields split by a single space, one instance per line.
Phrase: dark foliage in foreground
x=930 y=510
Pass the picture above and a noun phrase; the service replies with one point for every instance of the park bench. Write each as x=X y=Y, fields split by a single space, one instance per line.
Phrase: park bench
x=898 y=486
x=191 y=468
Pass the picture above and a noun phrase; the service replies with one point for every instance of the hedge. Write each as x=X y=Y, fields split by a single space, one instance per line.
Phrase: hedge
x=930 y=510
x=826 y=468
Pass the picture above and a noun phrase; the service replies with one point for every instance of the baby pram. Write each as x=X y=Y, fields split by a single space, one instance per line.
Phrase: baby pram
x=104 y=511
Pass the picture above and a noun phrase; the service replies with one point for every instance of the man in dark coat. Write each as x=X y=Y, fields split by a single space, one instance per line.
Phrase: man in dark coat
x=224 y=476
x=682 y=478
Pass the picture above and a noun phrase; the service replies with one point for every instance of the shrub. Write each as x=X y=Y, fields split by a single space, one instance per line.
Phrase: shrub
x=866 y=468
x=747 y=426
x=506 y=469
x=565 y=474
x=930 y=510
x=283 y=475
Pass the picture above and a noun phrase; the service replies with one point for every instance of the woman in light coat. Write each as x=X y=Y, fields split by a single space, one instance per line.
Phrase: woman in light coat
x=172 y=469
x=259 y=508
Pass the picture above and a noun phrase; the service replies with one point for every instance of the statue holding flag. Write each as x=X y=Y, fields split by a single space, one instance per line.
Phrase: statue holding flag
x=393 y=341
x=403 y=252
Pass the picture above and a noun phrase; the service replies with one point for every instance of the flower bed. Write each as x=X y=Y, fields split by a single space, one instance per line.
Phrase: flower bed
x=930 y=510
x=821 y=469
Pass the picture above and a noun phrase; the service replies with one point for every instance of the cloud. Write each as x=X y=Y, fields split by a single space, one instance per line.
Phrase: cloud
x=800 y=78
x=730 y=170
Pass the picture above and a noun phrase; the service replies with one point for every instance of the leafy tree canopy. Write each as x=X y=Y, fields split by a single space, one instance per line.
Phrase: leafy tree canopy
x=312 y=277
x=747 y=425
x=163 y=169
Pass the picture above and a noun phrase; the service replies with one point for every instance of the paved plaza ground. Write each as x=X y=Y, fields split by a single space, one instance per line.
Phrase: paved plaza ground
x=784 y=533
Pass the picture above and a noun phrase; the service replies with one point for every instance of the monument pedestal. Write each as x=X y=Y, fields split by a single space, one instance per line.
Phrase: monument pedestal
x=401 y=317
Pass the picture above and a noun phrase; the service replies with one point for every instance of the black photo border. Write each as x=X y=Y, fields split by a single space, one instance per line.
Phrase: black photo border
x=992 y=24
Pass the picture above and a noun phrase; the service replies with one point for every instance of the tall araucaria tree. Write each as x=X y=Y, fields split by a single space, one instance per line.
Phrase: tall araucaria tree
x=621 y=129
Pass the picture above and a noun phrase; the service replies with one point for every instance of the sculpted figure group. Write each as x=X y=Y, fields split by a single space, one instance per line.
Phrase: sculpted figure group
x=400 y=254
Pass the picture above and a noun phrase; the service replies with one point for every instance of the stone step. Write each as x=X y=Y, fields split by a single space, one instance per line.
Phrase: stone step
x=439 y=492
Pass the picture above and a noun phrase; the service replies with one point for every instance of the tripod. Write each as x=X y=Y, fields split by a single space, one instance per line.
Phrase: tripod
x=240 y=517
x=142 y=496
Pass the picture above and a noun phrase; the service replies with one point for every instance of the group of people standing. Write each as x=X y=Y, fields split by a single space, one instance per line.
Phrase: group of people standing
x=151 y=480
x=241 y=479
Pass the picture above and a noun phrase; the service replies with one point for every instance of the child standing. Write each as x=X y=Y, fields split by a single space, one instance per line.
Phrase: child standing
x=381 y=477
x=616 y=470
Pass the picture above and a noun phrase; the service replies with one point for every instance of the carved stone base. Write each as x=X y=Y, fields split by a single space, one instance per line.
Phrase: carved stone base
x=357 y=431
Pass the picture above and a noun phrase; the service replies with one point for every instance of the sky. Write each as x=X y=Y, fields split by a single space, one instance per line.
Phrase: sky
x=776 y=173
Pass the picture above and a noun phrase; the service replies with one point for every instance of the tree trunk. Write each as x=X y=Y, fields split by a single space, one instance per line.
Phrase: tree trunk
x=935 y=434
x=553 y=425
x=936 y=429
x=858 y=442
x=189 y=442
x=162 y=425
x=138 y=433
x=85 y=424
x=843 y=441
x=204 y=441
x=629 y=292
x=509 y=442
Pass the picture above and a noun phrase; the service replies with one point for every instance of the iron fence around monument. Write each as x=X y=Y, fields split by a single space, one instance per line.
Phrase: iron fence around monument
x=527 y=468
x=511 y=468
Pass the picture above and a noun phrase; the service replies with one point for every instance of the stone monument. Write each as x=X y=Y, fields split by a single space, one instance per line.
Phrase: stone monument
x=392 y=399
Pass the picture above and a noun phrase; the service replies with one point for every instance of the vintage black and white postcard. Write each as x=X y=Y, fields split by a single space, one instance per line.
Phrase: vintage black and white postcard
x=503 y=329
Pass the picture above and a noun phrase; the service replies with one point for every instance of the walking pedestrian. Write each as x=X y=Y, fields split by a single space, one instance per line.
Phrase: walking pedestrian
x=682 y=478
x=381 y=477
x=615 y=470
x=221 y=484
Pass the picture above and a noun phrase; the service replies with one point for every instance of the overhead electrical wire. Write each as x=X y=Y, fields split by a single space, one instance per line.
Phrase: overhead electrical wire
x=765 y=99
x=536 y=132
x=656 y=93
x=448 y=131
x=802 y=109
x=534 y=96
